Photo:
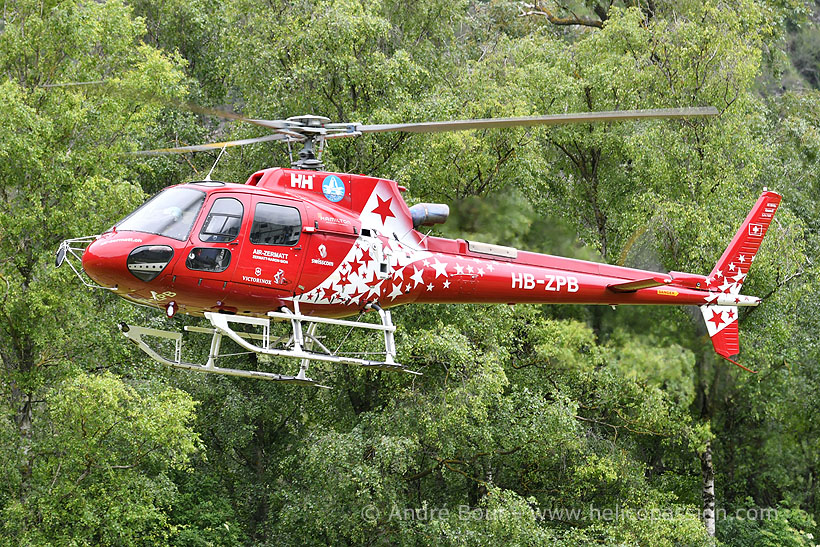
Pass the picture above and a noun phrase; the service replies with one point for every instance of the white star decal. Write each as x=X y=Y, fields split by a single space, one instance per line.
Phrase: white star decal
x=718 y=274
x=739 y=277
x=441 y=268
x=446 y=283
x=399 y=274
x=732 y=266
x=469 y=269
x=430 y=287
x=459 y=269
x=395 y=292
x=376 y=289
x=489 y=267
x=726 y=286
x=742 y=259
x=417 y=276
x=480 y=271
x=426 y=262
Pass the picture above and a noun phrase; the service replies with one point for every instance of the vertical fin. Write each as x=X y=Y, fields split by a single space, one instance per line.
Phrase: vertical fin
x=730 y=272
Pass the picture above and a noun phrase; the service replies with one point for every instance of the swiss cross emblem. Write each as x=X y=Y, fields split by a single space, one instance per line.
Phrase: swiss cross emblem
x=755 y=229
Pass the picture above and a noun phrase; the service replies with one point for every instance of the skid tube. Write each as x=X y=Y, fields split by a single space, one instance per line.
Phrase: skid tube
x=303 y=344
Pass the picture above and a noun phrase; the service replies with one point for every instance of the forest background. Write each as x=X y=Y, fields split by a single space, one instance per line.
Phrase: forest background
x=530 y=424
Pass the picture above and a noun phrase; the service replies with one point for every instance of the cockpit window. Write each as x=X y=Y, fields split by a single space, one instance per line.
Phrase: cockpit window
x=276 y=225
x=223 y=221
x=171 y=213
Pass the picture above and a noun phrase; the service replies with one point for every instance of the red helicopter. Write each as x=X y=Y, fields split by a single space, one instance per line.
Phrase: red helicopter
x=310 y=247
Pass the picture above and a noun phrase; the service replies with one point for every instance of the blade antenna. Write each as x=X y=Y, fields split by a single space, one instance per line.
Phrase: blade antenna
x=321 y=148
x=290 y=151
x=208 y=176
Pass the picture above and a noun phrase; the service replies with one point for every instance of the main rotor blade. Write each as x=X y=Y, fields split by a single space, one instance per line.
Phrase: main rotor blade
x=210 y=146
x=552 y=119
x=217 y=113
x=213 y=112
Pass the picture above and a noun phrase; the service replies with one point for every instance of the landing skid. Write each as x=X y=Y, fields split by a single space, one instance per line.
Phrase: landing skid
x=302 y=344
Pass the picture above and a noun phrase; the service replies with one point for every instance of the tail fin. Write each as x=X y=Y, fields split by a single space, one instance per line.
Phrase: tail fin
x=727 y=278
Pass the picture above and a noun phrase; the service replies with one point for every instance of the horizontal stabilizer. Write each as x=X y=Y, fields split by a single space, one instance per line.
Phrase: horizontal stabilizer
x=634 y=285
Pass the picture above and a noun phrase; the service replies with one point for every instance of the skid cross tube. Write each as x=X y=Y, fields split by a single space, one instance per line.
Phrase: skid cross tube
x=222 y=323
x=135 y=334
x=302 y=344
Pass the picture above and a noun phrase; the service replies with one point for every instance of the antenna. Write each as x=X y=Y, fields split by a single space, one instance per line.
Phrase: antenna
x=208 y=176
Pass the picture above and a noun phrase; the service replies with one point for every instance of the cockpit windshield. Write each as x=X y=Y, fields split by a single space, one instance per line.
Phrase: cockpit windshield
x=171 y=213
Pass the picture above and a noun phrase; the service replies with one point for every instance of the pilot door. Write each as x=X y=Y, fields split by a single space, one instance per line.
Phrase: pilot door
x=212 y=252
x=271 y=256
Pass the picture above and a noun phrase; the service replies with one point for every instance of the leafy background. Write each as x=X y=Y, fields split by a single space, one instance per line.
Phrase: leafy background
x=521 y=412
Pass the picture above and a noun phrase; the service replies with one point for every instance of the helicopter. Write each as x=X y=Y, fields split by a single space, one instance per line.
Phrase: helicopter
x=305 y=247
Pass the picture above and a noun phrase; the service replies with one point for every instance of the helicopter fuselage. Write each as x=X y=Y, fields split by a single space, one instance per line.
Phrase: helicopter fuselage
x=336 y=243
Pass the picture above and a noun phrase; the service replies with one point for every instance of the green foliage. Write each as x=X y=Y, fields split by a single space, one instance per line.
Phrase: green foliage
x=530 y=425
x=101 y=468
x=768 y=526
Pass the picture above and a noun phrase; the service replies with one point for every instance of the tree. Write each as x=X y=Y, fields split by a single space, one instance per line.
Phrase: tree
x=62 y=175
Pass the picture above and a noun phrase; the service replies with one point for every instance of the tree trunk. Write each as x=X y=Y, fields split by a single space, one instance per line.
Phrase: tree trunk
x=708 y=472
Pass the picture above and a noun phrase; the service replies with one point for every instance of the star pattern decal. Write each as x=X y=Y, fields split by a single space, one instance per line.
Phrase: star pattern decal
x=417 y=277
x=383 y=208
x=393 y=271
x=440 y=267
x=717 y=318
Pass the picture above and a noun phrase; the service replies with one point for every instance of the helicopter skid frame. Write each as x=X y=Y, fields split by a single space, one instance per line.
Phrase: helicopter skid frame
x=302 y=344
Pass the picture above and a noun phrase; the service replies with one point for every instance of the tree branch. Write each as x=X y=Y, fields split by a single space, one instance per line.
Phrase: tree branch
x=560 y=21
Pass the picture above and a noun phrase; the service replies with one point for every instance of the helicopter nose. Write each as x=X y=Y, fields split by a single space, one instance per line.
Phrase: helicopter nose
x=118 y=262
x=104 y=262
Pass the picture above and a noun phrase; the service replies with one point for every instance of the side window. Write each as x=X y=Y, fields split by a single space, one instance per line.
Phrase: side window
x=276 y=225
x=223 y=221
x=207 y=259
